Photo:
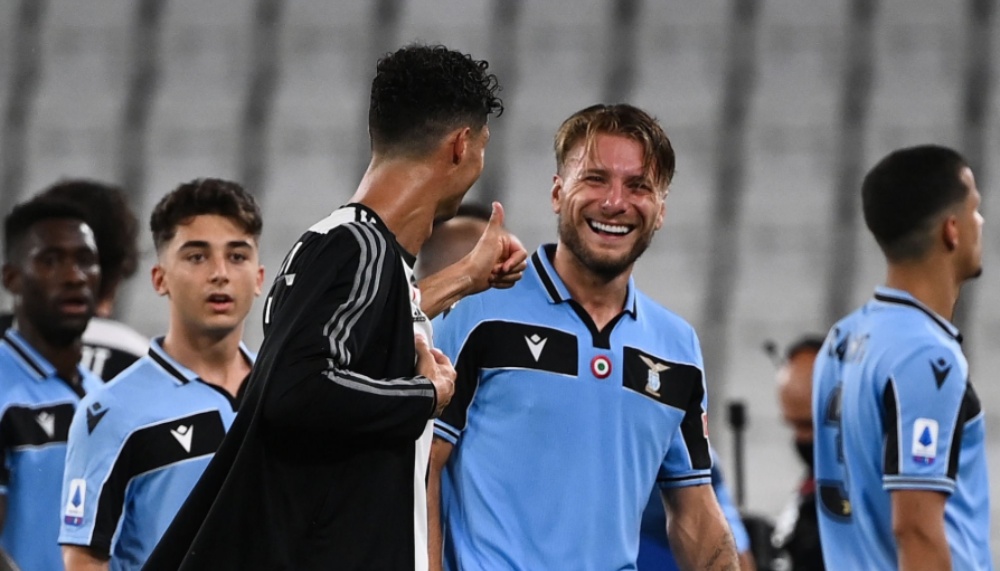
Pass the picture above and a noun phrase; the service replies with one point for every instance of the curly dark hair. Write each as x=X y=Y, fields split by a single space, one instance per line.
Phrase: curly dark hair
x=421 y=92
x=115 y=226
x=204 y=196
x=19 y=221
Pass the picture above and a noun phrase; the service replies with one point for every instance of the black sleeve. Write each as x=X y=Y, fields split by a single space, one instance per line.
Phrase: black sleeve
x=345 y=279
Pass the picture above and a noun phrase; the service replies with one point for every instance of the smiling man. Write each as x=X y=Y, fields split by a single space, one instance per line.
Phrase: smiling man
x=138 y=445
x=575 y=393
x=51 y=269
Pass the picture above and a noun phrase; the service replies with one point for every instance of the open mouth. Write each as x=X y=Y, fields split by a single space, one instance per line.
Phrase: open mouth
x=74 y=305
x=609 y=229
x=220 y=301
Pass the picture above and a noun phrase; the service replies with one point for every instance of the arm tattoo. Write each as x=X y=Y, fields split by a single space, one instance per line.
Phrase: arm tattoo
x=723 y=558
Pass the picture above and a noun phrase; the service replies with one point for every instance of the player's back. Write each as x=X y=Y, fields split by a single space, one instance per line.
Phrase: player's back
x=895 y=412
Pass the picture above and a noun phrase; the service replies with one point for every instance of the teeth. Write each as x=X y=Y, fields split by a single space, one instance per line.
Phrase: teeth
x=609 y=228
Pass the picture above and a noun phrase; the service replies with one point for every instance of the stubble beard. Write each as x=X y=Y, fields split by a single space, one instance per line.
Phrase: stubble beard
x=603 y=267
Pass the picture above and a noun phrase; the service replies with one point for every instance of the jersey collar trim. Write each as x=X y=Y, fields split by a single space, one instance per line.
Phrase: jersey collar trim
x=556 y=290
x=900 y=297
x=181 y=374
x=30 y=360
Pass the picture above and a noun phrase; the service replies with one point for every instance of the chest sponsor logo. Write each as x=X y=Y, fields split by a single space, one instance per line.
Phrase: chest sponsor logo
x=47 y=421
x=184 y=434
x=925 y=439
x=535 y=345
x=73 y=514
x=653 y=377
x=600 y=366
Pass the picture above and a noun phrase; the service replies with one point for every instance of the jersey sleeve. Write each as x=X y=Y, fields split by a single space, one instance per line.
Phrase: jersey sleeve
x=332 y=300
x=924 y=409
x=688 y=461
x=452 y=334
x=92 y=498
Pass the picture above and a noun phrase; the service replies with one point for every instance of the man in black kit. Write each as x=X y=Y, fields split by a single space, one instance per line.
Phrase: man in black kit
x=324 y=466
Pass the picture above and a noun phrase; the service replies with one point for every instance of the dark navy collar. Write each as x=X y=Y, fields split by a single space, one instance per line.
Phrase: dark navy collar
x=886 y=294
x=38 y=367
x=181 y=374
x=557 y=291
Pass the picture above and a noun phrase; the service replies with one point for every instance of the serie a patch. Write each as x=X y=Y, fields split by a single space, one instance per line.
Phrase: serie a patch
x=73 y=515
x=925 y=439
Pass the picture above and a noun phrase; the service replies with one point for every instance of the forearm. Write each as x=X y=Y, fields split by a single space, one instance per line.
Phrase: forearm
x=444 y=289
x=440 y=451
x=918 y=526
x=698 y=532
x=79 y=558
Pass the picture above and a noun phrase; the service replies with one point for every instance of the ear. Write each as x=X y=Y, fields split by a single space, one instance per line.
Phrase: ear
x=557 y=186
x=159 y=277
x=459 y=142
x=950 y=233
x=12 y=279
x=662 y=213
x=260 y=281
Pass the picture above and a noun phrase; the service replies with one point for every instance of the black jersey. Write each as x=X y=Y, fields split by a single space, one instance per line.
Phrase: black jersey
x=320 y=469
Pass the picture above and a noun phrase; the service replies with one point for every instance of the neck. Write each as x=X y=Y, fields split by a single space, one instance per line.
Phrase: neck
x=402 y=192
x=65 y=358
x=214 y=357
x=603 y=298
x=929 y=283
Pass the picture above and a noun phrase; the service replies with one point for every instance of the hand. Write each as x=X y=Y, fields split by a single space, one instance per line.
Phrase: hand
x=498 y=259
x=436 y=366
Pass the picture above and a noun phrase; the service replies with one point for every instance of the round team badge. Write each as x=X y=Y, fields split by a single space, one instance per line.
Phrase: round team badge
x=600 y=366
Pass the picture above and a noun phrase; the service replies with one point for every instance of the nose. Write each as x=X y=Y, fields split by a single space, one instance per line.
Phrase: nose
x=220 y=270
x=614 y=200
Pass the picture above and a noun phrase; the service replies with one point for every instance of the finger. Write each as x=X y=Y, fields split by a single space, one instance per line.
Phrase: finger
x=496 y=217
x=517 y=262
x=420 y=344
x=440 y=358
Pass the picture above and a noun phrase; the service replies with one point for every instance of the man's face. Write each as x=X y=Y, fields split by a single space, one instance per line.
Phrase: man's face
x=795 y=393
x=970 y=224
x=608 y=205
x=54 y=277
x=211 y=273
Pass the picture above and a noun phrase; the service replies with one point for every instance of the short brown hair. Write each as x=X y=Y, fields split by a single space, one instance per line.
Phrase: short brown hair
x=625 y=120
x=204 y=196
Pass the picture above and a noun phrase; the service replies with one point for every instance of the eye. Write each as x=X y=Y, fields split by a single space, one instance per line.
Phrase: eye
x=238 y=257
x=195 y=257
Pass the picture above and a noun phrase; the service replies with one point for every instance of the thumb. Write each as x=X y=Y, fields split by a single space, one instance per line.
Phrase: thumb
x=496 y=218
x=420 y=343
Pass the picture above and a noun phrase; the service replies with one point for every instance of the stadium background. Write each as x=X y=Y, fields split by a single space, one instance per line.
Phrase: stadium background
x=776 y=108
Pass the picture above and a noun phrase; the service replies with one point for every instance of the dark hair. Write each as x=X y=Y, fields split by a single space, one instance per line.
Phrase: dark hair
x=422 y=92
x=805 y=343
x=473 y=210
x=204 y=196
x=903 y=194
x=627 y=121
x=116 y=229
x=24 y=216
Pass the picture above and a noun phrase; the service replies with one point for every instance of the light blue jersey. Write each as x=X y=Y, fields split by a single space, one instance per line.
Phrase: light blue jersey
x=894 y=410
x=137 y=446
x=560 y=429
x=36 y=407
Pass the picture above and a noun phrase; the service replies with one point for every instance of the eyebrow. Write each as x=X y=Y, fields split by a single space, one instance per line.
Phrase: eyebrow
x=204 y=244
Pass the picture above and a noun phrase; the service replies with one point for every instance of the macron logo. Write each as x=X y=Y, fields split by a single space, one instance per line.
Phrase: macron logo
x=183 y=434
x=47 y=421
x=535 y=345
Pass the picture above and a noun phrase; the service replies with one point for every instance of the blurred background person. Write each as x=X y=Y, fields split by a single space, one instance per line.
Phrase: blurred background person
x=109 y=346
x=51 y=270
x=796 y=533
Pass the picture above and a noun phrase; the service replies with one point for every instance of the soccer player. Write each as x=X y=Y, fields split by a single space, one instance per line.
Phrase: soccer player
x=138 y=444
x=576 y=393
x=109 y=346
x=325 y=466
x=51 y=269
x=900 y=459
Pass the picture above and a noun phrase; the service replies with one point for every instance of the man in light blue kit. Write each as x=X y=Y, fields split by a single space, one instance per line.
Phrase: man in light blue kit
x=900 y=459
x=139 y=444
x=51 y=268
x=576 y=393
